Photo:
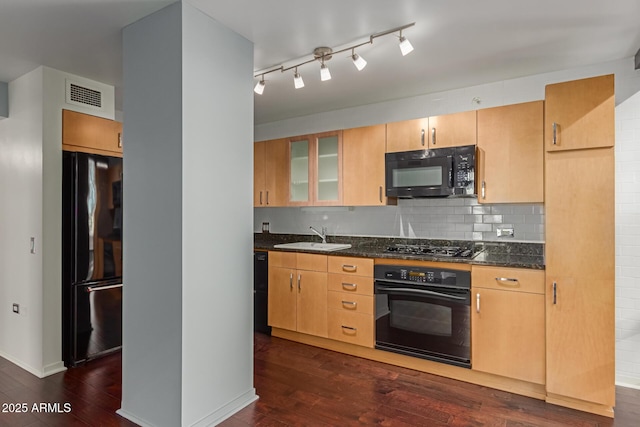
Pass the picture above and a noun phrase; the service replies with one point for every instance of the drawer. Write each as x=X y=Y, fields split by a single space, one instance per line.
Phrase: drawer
x=351 y=265
x=311 y=262
x=350 y=284
x=353 y=328
x=350 y=302
x=282 y=259
x=506 y=278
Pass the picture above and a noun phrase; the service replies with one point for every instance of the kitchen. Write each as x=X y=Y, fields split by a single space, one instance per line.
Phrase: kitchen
x=399 y=111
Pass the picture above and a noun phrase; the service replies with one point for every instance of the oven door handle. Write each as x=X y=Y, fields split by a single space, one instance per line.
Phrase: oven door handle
x=103 y=288
x=401 y=291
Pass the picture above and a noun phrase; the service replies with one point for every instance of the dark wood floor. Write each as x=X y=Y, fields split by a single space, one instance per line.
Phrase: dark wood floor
x=301 y=385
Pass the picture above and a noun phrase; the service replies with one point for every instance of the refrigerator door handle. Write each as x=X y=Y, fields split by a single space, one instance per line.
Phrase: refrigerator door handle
x=102 y=288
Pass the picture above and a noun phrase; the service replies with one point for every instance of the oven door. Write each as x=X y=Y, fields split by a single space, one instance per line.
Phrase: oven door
x=427 y=322
x=412 y=174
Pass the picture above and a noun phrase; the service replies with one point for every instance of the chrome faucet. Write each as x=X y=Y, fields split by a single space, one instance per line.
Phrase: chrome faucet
x=322 y=235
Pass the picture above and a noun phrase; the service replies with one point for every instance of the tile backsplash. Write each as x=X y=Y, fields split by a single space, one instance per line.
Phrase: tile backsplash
x=451 y=218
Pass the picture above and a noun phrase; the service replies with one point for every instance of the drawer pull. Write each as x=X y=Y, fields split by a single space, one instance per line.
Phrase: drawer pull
x=349 y=328
x=349 y=286
x=350 y=304
x=507 y=281
x=349 y=268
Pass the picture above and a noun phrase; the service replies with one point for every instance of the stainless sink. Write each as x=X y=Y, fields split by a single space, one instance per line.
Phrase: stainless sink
x=314 y=246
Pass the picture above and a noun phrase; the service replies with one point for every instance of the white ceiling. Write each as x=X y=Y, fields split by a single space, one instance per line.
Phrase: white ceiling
x=457 y=43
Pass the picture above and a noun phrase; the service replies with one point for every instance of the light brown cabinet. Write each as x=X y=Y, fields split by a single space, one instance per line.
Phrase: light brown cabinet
x=511 y=154
x=580 y=114
x=297 y=298
x=350 y=300
x=508 y=322
x=580 y=248
x=270 y=178
x=91 y=134
x=363 y=167
x=448 y=130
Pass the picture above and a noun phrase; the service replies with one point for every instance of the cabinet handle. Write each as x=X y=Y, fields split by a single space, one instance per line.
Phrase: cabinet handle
x=291 y=281
x=555 y=293
x=422 y=137
x=349 y=286
x=483 y=189
x=299 y=277
x=508 y=280
x=261 y=197
x=380 y=193
x=119 y=140
x=433 y=136
x=477 y=303
x=555 y=133
x=351 y=304
x=267 y=196
x=349 y=268
x=350 y=328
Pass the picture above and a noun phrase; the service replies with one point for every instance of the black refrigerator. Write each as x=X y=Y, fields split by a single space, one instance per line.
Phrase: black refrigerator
x=91 y=256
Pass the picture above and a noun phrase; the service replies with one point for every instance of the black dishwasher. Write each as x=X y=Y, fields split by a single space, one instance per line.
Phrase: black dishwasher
x=260 y=289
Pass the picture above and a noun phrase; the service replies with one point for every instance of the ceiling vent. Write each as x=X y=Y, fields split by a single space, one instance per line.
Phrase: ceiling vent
x=82 y=95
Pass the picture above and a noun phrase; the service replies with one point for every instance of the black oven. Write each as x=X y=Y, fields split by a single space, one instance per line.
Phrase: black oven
x=439 y=172
x=424 y=312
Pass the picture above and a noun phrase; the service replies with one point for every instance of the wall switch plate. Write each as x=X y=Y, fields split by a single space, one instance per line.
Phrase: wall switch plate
x=505 y=232
x=265 y=227
x=16 y=308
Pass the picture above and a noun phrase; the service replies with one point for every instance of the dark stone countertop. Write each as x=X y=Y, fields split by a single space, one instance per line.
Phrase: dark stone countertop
x=502 y=254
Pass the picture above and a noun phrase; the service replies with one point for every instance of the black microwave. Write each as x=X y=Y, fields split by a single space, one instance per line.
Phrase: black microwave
x=440 y=172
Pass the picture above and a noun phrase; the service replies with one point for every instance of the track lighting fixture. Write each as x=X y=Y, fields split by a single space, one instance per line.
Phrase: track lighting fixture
x=297 y=79
x=259 y=86
x=324 y=54
x=358 y=60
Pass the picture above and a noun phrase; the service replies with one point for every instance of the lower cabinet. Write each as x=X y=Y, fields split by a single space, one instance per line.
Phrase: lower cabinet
x=298 y=292
x=508 y=322
x=350 y=300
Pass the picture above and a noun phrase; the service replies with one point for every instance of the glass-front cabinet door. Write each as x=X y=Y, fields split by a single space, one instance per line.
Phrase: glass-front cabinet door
x=316 y=169
x=299 y=171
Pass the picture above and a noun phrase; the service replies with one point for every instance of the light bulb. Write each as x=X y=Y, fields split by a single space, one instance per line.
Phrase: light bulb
x=324 y=73
x=405 y=46
x=358 y=61
x=259 y=87
x=297 y=80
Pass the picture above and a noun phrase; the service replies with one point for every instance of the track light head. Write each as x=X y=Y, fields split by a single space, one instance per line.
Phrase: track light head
x=358 y=61
x=297 y=80
x=324 y=73
x=259 y=88
x=405 y=45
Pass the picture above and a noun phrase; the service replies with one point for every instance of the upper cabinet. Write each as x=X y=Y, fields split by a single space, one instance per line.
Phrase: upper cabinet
x=91 y=134
x=580 y=114
x=449 y=130
x=315 y=169
x=510 y=154
x=270 y=178
x=363 y=166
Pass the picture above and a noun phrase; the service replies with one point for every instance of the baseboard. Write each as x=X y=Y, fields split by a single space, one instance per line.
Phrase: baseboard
x=50 y=369
x=628 y=382
x=228 y=410
x=132 y=418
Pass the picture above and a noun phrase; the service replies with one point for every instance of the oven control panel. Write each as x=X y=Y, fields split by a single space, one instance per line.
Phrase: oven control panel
x=423 y=275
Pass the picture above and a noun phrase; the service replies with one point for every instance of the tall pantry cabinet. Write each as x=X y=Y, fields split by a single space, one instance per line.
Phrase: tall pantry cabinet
x=580 y=246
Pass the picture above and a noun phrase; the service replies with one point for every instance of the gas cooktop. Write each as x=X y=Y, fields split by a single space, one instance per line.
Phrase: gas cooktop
x=437 y=251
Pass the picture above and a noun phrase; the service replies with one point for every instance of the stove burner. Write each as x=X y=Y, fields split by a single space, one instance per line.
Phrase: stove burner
x=439 y=251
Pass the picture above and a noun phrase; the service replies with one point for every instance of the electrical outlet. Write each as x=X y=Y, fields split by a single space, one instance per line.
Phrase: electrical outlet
x=16 y=308
x=505 y=232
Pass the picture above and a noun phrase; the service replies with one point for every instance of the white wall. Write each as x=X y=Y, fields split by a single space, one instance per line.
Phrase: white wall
x=21 y=219
x=627 y=84
x=4 y=100
x=188 y=312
